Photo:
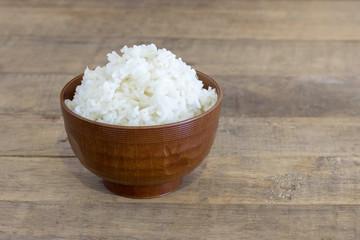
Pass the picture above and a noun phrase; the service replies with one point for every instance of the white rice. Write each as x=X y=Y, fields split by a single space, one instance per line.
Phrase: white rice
x=145 y=86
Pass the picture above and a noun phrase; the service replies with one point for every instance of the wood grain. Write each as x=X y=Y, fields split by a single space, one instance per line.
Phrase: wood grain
x=316 y=179
x=282 y=20
x=235 y=136
x=179 y=221
x=282 y=58
x=245 y=96
x=244 y=199
x=286 y=160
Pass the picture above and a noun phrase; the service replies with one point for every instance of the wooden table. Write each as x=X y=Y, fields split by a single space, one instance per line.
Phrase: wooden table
x=286 y=160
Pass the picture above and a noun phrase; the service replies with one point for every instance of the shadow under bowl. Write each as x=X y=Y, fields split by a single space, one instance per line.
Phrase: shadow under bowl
x=141 y=161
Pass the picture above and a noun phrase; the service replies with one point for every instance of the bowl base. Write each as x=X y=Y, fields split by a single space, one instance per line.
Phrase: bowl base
x=149 y=191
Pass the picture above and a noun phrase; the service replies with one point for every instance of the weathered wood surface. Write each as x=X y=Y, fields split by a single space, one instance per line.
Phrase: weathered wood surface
x=286 y=160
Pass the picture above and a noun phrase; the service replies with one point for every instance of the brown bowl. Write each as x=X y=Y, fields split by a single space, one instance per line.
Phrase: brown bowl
x=145 y=161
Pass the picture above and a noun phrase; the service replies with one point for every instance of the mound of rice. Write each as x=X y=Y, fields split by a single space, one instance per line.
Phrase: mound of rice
x=145 y=86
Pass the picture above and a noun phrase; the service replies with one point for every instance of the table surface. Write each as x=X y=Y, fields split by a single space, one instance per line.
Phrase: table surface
x=286 y=160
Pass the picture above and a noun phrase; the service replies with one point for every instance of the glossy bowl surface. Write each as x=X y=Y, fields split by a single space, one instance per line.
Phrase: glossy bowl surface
x=145 y=161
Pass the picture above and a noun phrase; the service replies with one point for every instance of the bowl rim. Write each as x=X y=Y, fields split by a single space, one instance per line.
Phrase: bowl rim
x=173 y=124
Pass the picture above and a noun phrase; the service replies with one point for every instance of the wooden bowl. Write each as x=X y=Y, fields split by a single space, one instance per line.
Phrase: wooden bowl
x=145 y=161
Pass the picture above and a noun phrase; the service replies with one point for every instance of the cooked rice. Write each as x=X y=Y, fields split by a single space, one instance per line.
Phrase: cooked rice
x=144 y=86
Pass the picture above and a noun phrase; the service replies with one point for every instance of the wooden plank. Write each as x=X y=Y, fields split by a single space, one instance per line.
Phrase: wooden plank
x=61 y=220
x=243 y=95
x=333 y=61
x=45 y=135
x=33 y=135
x=290 y=96
x=330 y=6
x=248 y=179
x=285 y=21
x=30 y=94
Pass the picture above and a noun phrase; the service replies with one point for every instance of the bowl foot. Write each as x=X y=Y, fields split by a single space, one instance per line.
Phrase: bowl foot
x=149 y=191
